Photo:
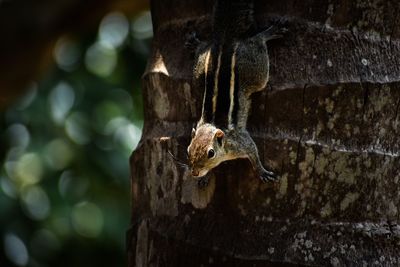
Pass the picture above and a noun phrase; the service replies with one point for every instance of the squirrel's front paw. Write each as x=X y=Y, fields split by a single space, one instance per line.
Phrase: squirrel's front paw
x=267 y=176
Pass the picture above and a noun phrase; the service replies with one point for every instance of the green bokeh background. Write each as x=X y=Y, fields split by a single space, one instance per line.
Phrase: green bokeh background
x=65 y=147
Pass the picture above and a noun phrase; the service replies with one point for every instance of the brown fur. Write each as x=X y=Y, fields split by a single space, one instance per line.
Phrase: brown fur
x=249 y=73
x=200 y=144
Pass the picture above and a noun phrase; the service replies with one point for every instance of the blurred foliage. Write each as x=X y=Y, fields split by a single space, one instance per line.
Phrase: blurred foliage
x=65 y=147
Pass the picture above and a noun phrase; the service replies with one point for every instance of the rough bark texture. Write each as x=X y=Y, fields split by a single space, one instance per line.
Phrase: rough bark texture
x=328 y=123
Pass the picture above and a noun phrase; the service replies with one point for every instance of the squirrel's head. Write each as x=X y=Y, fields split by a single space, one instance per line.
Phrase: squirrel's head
x=206 y=150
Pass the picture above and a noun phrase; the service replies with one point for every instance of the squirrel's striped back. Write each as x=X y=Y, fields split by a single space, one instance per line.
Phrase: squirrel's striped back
x=220 y=102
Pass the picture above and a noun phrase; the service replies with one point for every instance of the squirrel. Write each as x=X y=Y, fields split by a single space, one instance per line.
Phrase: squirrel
x=230 y=68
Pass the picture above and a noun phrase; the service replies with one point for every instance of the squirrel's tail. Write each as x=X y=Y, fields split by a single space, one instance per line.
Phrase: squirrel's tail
x=233 y=18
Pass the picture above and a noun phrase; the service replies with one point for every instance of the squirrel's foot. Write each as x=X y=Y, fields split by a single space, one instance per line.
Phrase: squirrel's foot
x=202 y=182
x=192 y=41
x=267 y=176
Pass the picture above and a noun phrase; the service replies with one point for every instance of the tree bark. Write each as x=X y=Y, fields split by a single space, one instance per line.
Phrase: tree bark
x=328 y=123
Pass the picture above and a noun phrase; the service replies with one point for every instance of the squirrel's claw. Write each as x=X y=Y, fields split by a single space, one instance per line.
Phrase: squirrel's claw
x=267 y=176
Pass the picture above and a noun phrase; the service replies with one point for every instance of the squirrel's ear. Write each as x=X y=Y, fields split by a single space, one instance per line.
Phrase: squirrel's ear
x=193 y=132
x=219 y=134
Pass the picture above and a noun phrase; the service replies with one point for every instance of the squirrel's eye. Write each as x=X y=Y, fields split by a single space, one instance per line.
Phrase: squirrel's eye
x=211 y=153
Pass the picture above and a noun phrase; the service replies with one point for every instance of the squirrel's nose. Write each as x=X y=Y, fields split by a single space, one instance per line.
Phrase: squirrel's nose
x=195 y=173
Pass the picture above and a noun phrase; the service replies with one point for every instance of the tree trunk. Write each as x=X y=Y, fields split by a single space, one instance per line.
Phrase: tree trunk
x=328 y=123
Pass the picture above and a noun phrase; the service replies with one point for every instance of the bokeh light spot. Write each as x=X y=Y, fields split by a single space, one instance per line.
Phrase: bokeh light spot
x=15 y=250
x=101 y=59
x=58 y=154
x=124 y=133
x=36 y=202
x=71 y=186
x=18 y=135
x=8 y=187
x=76 y=127
x=66 y=53
x=128 y=136
x=87 y=219
x=142 y=32
x=142 y=27
x=114 y=124
x=61 y=99
x=114 y=29
x=29 y=169
x=14 y=154
x=104 y=113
